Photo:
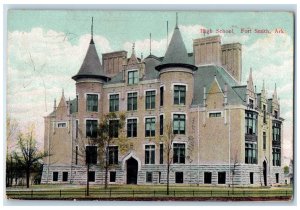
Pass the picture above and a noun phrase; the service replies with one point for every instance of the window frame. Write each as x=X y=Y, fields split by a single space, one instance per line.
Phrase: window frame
x=180 y=121
x=115 y=107
x=149 y=154
x=178 y=155
x=133 y=131
x=113 y=155
x=62 y=123
x=113 y=128
x=86 y=102
x=149 y=174
x=91 y=159
x=91 y=119
x=135 y=79
x=152 y=124
x=152 y=97
x=181 y=94
x=65 y=176
x=251 y=123
x=55 y=177
x=251 y=153
x=132 y=101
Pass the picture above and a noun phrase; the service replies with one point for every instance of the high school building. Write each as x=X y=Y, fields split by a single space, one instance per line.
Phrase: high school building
x=224 y=131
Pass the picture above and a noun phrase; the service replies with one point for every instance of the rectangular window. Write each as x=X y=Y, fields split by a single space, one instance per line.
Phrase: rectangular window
x=277 y=177
x=131 y=127
x=161 y=125
x=76 y=128
x=113 y=153
x=250 y=153
x=251 y=177
x=91 y=176
x=215 y=114
x=161 y=154
x=131 y=101
x=92 y=102
x=276 y=153
x=250 y=122
x=65 y=177
x=178 y=153
x=179 y=177
x=276 y=114
x=149 y=177
x=207 y=177
x=112 y=176
x=221 y=177
x=55 y=176
x=276 y=129
x=179 y=123
x=264 y=140
x=76 y=155
x=161 y=96
x=265 y=113
x=159 y=177
x=91 y=128
x=149 y=154
x=91 y=154
x=150 y=100
x=133 y=77
x=114 y=128
x=150 y=127
x=61 y=125
x=179 y=94
x=77 y=104
x=113 y=102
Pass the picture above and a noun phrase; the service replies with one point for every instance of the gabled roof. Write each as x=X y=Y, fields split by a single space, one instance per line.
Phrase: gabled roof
x=91 y=66
x=176 y=54
x=205 y=76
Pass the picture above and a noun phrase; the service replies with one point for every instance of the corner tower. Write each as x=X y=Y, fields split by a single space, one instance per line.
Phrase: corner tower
x=89 y=88
x=176 y=77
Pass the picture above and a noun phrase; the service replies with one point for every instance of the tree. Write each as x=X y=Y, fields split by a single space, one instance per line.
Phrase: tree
x=29 y=154
x=233 y=170
x=11 y=130
x=107 y=132
x=168 y=139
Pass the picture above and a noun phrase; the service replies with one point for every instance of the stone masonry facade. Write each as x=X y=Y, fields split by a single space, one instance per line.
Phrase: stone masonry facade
x=225 y=132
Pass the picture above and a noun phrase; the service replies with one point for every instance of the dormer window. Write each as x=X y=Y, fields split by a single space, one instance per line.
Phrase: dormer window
x=133 y=77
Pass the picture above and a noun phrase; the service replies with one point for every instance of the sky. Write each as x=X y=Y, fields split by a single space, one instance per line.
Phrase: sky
x=46 y=48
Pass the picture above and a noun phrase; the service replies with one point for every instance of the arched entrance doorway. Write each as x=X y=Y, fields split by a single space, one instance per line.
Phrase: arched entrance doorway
x=132 y=171
x=265 y=172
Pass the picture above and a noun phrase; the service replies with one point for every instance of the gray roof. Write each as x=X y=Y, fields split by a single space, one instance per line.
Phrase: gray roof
x=91 y=66
x=204 y=77
x=150 y=63
x=176 y=54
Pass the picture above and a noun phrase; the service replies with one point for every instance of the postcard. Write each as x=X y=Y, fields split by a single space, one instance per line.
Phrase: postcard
x=149 y=105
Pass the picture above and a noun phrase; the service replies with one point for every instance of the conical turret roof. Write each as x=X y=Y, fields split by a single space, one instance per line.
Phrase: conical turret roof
x=91 y=66
x=176 y=54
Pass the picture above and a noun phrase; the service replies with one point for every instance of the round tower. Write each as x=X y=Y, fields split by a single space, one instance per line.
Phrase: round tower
x=89 y=91
x=176 y=77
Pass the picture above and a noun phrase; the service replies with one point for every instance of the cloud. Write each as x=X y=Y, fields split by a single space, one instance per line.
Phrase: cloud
x=40 y=64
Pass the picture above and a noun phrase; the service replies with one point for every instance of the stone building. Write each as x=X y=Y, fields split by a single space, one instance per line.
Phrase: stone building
x=225 y=132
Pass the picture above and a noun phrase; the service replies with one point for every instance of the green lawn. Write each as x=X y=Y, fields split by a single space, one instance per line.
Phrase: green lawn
x=143 y=191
